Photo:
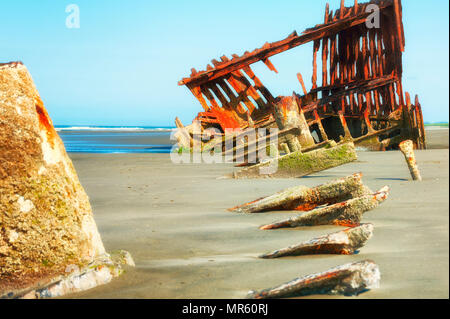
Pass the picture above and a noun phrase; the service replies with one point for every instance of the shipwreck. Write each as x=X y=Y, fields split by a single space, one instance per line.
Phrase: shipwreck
x=357 y=96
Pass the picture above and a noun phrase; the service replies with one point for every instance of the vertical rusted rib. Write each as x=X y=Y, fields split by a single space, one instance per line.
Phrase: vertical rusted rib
x=324 y=61
x=351 y=100
x=327 y=13
x=347 y=56
x=314 y=75
x=398 y=24
x=389 y=43
x=353 y=56
x=408 y=99
x=355 y=7
x=341 y=56
x=399 y=92
x=360 y=103
x=365 y=56
x=421 y=126
x=342 y=10
x=392 y=97
x=372 y=52
x=386 y=99
x=332 y=59
x=380 y=53
x=357 y=55
x=367 y=111
x=377 y=100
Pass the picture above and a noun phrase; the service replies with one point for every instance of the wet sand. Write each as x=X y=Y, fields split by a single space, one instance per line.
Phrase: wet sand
x=173 y=220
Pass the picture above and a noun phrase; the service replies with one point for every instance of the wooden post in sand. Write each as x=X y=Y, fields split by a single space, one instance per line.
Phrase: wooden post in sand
x=348 y=279
x=305 y=198
x=407 y=148
x=345 y=242
x=348 y=213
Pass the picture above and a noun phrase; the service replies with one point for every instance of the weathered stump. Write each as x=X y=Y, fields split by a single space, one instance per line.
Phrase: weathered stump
x=349 y=279
x=348 y=213
x=344 y=242
x=305 y=198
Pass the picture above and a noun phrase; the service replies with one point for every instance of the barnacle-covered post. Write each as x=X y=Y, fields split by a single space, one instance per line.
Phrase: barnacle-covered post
x=407 y=148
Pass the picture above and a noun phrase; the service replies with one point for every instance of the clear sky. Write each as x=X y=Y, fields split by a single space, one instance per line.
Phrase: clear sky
x=121 y=67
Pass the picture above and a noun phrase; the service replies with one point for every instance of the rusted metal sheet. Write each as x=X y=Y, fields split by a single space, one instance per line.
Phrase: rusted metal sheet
x=358 y=97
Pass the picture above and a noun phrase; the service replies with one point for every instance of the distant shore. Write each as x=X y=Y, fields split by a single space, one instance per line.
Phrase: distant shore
x=443 y=124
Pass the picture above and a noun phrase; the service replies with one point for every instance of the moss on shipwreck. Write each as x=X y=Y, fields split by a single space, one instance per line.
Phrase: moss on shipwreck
x=299 y=164
x=318 y=160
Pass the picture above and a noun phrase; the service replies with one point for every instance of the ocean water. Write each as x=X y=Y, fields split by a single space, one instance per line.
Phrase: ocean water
x=114 y=139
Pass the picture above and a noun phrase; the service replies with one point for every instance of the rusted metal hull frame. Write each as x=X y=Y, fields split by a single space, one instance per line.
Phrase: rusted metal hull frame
x=361 y=85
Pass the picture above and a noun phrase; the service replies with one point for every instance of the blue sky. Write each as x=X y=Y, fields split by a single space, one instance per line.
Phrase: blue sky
x=121 y=67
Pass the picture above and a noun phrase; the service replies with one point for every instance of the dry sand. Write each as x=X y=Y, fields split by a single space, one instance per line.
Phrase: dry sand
x=173 y=220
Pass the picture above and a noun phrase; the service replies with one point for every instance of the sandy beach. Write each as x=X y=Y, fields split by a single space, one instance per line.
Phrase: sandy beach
x=173 y=220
